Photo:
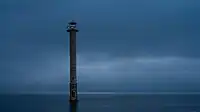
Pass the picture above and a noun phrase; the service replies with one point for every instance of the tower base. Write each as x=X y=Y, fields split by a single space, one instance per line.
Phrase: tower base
x=73 y=105
x=73 y=101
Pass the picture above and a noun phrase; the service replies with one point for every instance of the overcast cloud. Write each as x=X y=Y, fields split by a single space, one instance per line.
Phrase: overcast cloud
x=128 y=45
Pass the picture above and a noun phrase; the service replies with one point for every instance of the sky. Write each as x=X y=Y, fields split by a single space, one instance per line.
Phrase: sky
x=122 y=46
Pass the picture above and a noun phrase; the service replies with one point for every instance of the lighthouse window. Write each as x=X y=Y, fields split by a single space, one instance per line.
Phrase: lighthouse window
x=73 y=86
x=73 y=94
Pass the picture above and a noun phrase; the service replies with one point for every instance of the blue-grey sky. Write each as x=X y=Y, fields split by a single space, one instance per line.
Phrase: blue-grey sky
x=129 y=45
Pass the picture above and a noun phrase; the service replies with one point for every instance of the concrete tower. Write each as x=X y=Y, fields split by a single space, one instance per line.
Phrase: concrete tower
x=73 y=98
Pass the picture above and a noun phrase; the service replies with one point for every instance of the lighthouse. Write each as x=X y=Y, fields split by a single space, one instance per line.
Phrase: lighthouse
x=73 y=96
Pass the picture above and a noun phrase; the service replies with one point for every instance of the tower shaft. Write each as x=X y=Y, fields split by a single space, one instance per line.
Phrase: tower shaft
x=73 y=79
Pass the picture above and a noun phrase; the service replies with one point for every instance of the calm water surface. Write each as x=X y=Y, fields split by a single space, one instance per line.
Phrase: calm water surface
x=101 y=103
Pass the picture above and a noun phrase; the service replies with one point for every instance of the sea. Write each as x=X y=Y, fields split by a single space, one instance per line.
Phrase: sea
x=101 y=103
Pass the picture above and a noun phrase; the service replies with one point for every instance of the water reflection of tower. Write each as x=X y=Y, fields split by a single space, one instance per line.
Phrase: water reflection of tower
x=73 y=98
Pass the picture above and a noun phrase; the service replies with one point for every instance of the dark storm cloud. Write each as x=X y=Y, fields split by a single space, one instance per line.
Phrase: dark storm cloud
x=33 y=42
x=155 y=28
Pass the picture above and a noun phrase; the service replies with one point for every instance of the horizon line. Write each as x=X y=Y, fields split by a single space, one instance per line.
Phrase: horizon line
x=109 y=93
